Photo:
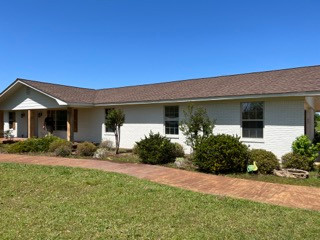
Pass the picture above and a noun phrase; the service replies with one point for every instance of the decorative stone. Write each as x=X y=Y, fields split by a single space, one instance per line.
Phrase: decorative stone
x=291 y=173
x=101 y=153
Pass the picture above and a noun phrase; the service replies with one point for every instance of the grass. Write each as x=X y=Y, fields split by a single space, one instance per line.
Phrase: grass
x=42 y=202
x=312 y=181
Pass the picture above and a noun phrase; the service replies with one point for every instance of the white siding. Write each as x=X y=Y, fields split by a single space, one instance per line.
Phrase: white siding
x=31 y=99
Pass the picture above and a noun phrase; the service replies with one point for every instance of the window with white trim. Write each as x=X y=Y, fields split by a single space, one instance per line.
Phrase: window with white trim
x=108 y=130
x=252 y=119
x=172 y=120
x=60 y=119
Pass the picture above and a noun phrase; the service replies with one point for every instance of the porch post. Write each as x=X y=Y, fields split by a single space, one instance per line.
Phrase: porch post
x=70 y=125
x=1 y=123
x=30 y=123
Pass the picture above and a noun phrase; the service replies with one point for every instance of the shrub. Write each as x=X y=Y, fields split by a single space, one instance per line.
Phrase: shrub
x=156 y=149
x=294 y=160
x=221 y=154
x=107 y=144
x=135 y=149
x=58 y=143
x=303 y=146
x=33 y=145
x=265 y=160
x=86 y=149
x=178 y=150
x=63 y=150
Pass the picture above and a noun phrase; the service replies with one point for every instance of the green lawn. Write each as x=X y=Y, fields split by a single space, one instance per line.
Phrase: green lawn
x=312 y=181
x=40 y=202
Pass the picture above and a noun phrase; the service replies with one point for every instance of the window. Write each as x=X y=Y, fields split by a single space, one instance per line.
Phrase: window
x=110 y=130
x=60 y=119
x=172 y=120
x=12 y=120
x=252 y=119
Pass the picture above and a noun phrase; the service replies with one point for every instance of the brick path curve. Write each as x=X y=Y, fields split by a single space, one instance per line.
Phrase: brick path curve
x=278 y=194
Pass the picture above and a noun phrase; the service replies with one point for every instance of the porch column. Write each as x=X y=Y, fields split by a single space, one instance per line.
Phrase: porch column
x=30 y=123
x=1 y=123
x=70 y=125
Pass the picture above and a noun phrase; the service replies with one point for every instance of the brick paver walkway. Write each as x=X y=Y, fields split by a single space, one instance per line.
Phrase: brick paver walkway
x=279 y=194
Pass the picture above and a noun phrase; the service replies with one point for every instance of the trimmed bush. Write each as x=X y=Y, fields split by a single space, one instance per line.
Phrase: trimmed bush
x=179 y=152
x=63 y=150
x=265 y=160
x=107 y=144
x=303 y=146
x=294 y=160
x=221 y=154
x=58 y=143
x=33 y=145
x=156 y=149
x=86 y=149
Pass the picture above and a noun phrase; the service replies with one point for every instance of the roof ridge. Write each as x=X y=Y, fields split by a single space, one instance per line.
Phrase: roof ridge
x=203 y=78
x=62 y=85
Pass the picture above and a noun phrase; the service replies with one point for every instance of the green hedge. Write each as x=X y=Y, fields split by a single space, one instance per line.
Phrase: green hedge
x=265 y=160
x=156 y=149
x=33 y=145
x=221 y=154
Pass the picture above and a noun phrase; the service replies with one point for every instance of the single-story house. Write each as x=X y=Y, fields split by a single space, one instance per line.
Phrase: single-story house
x=267 y=110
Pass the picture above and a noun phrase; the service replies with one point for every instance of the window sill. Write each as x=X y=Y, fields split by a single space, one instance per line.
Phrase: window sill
x=171 y=136
x=252 y=140
x=108 y=134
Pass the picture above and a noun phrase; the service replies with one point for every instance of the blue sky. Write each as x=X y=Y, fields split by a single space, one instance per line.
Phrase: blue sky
x=110 y=43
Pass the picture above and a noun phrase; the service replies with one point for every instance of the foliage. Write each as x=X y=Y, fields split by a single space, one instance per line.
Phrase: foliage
x=265 y=160
x=135 y=149
x=156 y=149
x=221 y=154
x=316 y=138
x=295 y=160
x=86 y=149
x=107 y=144
x=303 y=146
x=115 y=120
x=58 y=143
x=179 y=152
x=196 y=123
x=33 y=145
x=63 y=150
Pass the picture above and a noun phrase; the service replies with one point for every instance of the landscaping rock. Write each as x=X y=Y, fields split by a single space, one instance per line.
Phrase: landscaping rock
x=291 y=173
x=101 y=153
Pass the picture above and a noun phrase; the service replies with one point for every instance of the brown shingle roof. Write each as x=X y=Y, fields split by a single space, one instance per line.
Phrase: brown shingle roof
x=294 y=80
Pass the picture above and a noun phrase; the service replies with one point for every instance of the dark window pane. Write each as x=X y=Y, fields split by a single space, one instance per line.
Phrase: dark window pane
x=253 y=110
x=172 y=111
x=106 y=115
x=61 y=120
x=172 y=127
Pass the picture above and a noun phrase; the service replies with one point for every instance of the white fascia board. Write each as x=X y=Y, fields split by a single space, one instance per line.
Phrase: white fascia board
x=300 y=94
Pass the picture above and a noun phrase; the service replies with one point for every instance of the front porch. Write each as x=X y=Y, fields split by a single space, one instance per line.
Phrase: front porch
x=24 y=124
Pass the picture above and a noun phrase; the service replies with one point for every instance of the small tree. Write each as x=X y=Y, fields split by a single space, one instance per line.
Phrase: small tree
x=115 y=120
x=196 y=123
